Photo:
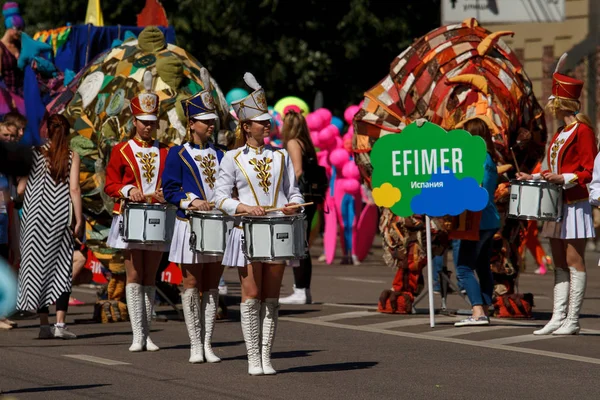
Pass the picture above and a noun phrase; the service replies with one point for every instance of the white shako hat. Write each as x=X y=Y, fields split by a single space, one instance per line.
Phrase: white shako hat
x=254 y=106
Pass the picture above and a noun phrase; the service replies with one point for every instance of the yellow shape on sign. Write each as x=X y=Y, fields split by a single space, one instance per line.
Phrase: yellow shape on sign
x=386 y=195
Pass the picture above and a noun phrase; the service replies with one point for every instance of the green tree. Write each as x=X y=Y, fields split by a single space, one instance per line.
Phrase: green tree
x=341 y=48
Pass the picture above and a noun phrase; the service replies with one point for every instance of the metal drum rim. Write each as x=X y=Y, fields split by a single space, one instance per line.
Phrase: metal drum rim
x=535 y=183
x=145 y=241
x=141 y=206
x=292 y=217
x=209 y=253
x=275 y=259
x=528 y=218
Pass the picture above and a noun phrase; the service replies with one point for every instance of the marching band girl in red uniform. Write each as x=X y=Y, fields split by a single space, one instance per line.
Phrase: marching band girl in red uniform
x=570 y=161
x=134 y=174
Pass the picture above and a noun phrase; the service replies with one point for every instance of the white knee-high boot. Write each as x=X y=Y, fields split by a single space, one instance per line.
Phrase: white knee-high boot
x=191 y=313
x=269 y=315
x=149 y=294
x=136 y=309
x=571 y=325
x=210 y=301
x=561 y=301
x=250 y=319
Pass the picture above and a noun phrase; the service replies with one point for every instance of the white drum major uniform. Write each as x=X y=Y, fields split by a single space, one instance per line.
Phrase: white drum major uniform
x=189 y=183
x=264 y=178
x=133 y=179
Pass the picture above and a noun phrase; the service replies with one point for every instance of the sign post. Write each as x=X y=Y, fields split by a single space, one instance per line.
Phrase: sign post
x=428 y=171
x=430 y=272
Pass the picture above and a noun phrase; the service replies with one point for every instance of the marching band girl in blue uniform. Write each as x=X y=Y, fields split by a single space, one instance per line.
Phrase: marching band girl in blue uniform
x=189 y=182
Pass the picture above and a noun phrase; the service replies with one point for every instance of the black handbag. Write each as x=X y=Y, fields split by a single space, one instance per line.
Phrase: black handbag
x=313 y=182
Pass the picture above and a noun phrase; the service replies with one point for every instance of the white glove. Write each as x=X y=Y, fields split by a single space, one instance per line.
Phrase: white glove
x=421 y=121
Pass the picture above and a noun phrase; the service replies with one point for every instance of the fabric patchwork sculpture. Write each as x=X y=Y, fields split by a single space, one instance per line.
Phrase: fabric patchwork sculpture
x=453 y=73
x=98 y=107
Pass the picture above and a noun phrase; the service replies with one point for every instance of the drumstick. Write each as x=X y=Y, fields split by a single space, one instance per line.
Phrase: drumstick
x=194 y=208
x=279 y=209
x=515 y=158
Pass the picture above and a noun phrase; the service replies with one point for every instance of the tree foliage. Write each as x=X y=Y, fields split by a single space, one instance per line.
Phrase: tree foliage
x=341 y=48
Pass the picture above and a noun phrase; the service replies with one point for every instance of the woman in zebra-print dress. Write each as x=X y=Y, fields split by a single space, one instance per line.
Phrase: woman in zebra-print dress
x=52 y=199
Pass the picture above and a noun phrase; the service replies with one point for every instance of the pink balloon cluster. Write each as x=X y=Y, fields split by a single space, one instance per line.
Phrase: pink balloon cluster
x=335 y=149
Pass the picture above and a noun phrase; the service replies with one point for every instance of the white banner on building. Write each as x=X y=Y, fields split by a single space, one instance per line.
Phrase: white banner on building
x=503 y=11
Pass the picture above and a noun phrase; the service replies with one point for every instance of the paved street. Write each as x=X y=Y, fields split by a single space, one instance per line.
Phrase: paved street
x=337 y=348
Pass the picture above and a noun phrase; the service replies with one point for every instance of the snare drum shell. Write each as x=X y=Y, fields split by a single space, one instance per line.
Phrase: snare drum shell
x=274 y=238
x=210 y=232
x=148 y=223
x=535 y=200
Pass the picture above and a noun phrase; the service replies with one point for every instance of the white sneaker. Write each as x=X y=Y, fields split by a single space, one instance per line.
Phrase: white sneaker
x=63 y=333
x=322 y=258
x=473 y=321
x=300 y=296
x=355 y=260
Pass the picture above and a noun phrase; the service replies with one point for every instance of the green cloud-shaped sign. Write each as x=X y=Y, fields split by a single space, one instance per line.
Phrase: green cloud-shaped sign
x=403 y=166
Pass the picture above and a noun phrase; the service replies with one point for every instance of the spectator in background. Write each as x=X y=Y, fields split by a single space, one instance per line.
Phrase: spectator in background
x=475 y=255
x=10 y=48
x=52 y=188
x=4 y=202
x=20 y=122
x=299 y=145
x=8 y=132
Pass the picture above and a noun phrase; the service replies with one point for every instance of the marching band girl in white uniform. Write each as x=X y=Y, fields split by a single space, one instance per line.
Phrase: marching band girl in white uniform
x=264 y=178
x=189 y=183
x=133 y=174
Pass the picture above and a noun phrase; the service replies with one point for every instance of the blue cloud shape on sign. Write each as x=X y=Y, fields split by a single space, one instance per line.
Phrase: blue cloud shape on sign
x=452 y=197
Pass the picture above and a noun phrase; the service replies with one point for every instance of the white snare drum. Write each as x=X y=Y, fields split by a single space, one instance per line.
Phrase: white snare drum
x=148 y=223
x=209 y=230
x=538 y=200
x=275 y=237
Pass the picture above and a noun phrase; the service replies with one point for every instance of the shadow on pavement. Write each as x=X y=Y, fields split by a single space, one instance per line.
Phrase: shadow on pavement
x=214 y=344
x=279 y=354
x=112 y=333
x=294 y=354
x=347 y=366
x=54 y=388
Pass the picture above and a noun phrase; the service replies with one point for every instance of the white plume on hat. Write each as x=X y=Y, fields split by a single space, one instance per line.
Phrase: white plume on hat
x=254 y=106
x=251 y=81
x=561 y=61
x=148 y=80
x=205 y=78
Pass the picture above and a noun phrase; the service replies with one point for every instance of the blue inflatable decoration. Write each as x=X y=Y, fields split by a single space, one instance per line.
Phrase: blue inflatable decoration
x=236 y=94
x=8 y=289
x=338 y=123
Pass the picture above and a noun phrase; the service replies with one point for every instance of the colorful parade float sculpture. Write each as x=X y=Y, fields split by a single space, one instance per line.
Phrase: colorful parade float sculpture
x=96 y=103
x=453 y=73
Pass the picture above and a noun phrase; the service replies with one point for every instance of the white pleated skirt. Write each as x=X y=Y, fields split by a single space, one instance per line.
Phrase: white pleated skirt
x=234 y=255
x=116 y=241
x=180 y=247
x=577 y=223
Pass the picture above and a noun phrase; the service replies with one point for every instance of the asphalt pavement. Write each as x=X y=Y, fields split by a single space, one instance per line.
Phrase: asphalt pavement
x=337 y=348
